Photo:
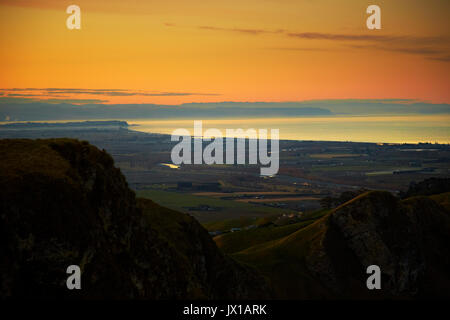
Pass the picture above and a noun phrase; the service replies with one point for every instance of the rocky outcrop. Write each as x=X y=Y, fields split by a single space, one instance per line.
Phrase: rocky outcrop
x=407 y=239
x=62 y=202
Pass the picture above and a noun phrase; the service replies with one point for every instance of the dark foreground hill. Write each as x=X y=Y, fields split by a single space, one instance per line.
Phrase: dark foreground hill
x=408 y=239
x=62 y=202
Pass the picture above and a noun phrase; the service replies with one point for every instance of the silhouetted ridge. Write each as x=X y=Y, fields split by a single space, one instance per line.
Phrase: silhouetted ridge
x=407 y=239
x=63 y=202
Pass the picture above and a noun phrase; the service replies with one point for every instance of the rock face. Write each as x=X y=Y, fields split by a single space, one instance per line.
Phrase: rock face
x=407 y=239
x=62 y=202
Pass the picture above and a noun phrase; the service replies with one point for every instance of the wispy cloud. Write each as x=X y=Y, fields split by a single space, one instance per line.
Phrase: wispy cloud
x=433 y=48
x=442 y=58
x=21 y=95
x=241 y=30
x=81 y=96
x=366 y=37
x=430 y=53
x=74 y=101
x=405 y=39
x=300 y=49
x=58 y=92
x=26 y=99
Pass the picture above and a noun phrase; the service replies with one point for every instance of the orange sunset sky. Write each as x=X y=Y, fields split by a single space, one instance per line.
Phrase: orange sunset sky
x=177 y=51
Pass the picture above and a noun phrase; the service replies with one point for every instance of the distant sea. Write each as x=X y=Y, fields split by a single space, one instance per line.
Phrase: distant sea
x=379 y=129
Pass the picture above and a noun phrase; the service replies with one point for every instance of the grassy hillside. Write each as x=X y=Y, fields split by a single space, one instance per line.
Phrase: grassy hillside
x=238 y=241
x=264 y=230
x=282 y=260
x=327 y=257
x=443 y=199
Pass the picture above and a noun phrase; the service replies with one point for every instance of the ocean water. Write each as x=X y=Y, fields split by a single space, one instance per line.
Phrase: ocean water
x=380 y=129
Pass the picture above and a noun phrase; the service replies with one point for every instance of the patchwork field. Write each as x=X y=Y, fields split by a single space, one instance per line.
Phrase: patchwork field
x=207 y=209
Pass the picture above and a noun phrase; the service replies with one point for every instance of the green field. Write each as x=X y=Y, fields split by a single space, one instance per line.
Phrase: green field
x=264 y=232
x=228 y=209
x=242 y=222
x=237 y=241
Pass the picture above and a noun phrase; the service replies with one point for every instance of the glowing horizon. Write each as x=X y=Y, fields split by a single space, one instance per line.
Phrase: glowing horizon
x=209 y=51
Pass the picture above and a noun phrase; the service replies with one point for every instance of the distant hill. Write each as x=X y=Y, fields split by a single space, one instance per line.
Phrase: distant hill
x=64 y=125
x=428 y=187
x=42 y=111
x=63 y=202
x=20 y=109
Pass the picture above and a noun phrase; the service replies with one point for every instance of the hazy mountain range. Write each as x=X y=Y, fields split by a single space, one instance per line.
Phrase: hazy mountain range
x=24 y=109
